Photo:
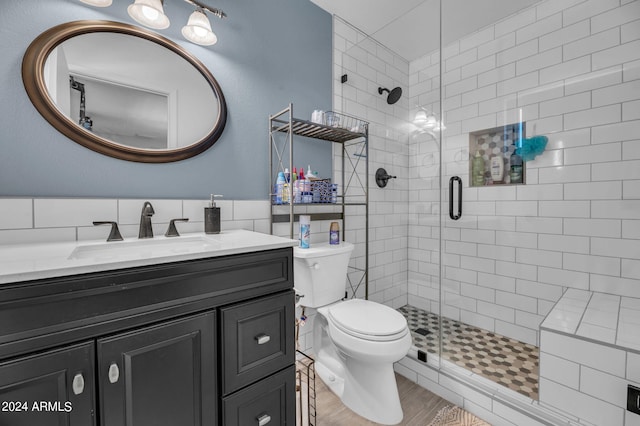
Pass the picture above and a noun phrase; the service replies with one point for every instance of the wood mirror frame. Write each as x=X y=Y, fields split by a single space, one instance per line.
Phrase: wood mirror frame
x=34 y=82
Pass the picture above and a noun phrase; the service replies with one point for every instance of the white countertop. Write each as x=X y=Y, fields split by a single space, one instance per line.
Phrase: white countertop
x=24 y=262
x=607 y=318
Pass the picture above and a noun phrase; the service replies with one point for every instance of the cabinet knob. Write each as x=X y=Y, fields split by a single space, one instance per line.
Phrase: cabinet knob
x=262 y=338
x=114 y=373
x=78 y=384
x=263 y=419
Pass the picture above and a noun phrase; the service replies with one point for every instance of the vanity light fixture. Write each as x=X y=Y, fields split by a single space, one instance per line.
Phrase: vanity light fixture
x=198 y=29
x=98 y=3
x=150 y=13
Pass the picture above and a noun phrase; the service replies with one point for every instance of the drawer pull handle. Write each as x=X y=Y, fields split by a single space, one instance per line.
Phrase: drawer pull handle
x=262 y=338
x=263 y=419
x=114 y=373
x=78 y=384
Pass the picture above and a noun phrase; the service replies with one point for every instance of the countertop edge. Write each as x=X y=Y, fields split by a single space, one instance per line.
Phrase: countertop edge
x=15 y=272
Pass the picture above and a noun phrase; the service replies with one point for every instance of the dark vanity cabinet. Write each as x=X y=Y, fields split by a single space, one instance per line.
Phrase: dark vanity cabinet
x=201 y=342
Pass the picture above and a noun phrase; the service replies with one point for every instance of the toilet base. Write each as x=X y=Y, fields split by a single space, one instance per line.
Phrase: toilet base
x=369 y=390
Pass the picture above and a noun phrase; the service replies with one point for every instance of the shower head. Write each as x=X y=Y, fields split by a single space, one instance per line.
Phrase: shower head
x=394 y=95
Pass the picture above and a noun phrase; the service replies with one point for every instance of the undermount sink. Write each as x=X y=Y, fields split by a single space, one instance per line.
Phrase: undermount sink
x=144 y=248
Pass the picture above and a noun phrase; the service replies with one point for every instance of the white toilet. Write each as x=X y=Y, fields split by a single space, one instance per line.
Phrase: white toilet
x=355 y=341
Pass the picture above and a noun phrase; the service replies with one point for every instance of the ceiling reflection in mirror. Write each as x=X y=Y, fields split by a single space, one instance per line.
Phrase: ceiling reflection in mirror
x=122 y=90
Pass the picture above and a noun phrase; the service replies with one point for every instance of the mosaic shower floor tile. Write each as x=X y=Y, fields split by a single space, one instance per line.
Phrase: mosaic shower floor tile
x=506 y=361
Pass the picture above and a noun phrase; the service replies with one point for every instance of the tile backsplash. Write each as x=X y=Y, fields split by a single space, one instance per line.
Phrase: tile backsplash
x=41 y=220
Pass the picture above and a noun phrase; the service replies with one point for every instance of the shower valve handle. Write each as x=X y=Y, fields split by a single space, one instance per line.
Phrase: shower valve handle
x=382 y=177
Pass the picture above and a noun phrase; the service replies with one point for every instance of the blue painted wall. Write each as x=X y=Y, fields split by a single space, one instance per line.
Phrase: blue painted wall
x=269 y=53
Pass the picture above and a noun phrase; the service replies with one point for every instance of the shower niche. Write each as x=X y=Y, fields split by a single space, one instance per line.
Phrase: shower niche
x=494 y=158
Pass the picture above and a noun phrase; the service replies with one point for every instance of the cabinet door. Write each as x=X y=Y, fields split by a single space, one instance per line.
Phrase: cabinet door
x=162 y=375
x=55 y=388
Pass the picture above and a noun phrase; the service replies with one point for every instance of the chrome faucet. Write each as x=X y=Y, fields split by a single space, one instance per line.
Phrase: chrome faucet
x=146 y=230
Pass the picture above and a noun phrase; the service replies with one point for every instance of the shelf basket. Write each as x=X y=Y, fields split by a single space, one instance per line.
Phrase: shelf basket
x=324 y=191
x=305 y=390
x=344 y=121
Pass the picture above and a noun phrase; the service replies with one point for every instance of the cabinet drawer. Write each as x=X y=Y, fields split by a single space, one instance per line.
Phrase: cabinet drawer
x=270 y=402
x=258 y=339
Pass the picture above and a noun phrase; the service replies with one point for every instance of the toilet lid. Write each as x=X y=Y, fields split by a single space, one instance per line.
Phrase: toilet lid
x=368 y=319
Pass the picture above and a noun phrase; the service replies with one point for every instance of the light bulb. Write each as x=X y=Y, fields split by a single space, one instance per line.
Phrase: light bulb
x=150 y=13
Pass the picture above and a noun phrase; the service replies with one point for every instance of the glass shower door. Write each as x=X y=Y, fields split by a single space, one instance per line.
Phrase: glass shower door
x=498 y=114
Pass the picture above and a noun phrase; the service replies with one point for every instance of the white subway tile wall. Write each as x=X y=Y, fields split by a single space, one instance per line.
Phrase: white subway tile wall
x=41 y=220
x=587 y=379
x=368 y=65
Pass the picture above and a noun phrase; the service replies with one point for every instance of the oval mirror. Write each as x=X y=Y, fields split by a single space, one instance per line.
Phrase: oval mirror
x=124 y=91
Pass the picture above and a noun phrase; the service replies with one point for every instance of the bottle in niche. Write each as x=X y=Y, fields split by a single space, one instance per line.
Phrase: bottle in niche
x=477 y=170
x=334 y=233
x=515 y=168
x=496 y=167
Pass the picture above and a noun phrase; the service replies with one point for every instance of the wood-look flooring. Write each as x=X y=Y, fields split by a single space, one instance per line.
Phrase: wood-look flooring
x=418 y=404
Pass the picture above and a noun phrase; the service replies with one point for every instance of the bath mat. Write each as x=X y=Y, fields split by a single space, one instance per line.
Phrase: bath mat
x=452 y=415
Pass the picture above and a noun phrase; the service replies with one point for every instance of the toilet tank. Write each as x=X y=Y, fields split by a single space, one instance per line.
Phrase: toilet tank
x=320 y=273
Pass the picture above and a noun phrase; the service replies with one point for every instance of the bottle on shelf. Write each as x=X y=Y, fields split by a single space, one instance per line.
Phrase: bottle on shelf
x=286 y=194
x=279 y=189
x=310 y=174
x=305 y=188
x=295 y=185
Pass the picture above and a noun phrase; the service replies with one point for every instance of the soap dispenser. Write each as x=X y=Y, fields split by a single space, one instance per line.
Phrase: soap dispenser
x=212 y=217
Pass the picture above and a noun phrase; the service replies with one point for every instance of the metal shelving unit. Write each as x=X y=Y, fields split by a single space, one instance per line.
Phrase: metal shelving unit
x=353 y=188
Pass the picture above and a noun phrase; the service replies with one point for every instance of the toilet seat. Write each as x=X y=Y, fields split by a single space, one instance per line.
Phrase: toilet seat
x=368 y=320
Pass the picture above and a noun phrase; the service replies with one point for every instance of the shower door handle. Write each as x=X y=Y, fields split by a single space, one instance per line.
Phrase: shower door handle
x=451 y=181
